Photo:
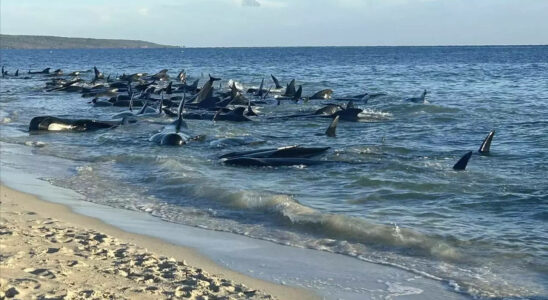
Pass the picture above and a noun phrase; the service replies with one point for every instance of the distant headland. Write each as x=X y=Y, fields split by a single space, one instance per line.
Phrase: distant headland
x=57 y=42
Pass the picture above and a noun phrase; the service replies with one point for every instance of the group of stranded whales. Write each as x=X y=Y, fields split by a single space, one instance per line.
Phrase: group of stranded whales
x=157 y=96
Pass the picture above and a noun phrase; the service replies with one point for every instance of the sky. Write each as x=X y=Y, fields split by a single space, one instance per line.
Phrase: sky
x=248 y=23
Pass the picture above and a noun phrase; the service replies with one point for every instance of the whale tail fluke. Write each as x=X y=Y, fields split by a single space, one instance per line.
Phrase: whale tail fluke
x=463 y=161
x=486 y=145
x=211 y=78
x=330 y=132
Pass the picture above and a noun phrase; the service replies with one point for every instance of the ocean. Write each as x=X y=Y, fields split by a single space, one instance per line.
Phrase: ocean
x=389 y=196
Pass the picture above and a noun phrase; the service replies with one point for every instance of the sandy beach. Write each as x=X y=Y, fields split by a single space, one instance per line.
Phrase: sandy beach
x=49 y=252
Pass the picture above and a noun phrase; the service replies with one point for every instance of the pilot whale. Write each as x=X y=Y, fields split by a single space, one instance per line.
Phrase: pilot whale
x=44 y=71
x=172 y=135
x=421 y=99
x=50 y=123
x=483 y=150
x=281 y=152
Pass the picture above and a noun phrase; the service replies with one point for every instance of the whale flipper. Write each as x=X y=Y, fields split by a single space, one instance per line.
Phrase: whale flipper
x=249 y=111
x=143 y=108
x=486 y=145
x=330 y=132
x=206 y=92
x=276 y=82
x=98 y=75
x=266 y=93
x=260 y=91
x=463 y=161
x=298 y=94
x=169 y=89
x=180 y=122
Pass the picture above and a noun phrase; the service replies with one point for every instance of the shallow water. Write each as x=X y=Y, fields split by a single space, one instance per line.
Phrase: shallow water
x=391 y=197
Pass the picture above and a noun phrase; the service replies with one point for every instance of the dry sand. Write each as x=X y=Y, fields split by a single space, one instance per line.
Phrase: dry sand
x=49 y=252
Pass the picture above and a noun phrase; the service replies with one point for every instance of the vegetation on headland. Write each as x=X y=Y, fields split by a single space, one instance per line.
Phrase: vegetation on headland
x=57 y=42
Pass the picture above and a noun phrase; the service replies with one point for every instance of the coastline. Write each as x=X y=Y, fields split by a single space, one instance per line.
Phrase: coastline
x=44 y=226
x=310 y=272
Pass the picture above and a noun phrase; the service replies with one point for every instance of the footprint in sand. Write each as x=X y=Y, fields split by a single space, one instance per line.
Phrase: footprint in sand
x=27 y=283
x=52 y=250
x=72 y=263
x=44 y=273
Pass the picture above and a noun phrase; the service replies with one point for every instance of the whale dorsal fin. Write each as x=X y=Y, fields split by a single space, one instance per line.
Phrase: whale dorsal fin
x=290 y=90
x=463 y=161
x=332 y=127
x=486 y=145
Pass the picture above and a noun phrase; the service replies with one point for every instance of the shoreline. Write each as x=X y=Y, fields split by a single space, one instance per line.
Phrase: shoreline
x=54 y=218
x=319 y=274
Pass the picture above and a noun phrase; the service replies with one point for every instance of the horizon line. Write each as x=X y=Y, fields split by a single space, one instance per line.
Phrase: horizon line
x=270 y=46
x=160 y=46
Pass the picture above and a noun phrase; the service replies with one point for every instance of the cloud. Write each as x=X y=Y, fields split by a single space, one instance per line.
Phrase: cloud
x=251 y=3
